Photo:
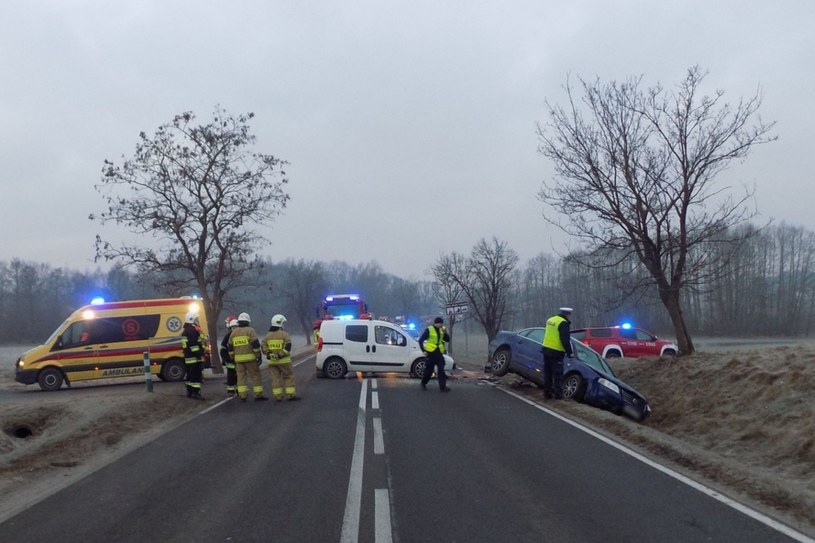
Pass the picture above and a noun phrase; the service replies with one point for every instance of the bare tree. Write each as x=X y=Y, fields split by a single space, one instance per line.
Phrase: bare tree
x=302 y=284
x=190 y=193
x=635 y=175
x=485 y=279
x=446 y=288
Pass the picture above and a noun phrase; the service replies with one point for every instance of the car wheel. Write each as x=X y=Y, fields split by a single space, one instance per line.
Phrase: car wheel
x=173 y=370
x=500 y=361
x=335 y=368
x=50 y=379
x=669 y=352
x=574 y=387
x=418 y=367
x=613 y=353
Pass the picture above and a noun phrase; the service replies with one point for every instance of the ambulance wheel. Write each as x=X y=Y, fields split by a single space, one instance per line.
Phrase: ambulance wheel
x=335 y=368
x=173 y=371
x=50 y=379
x=417 y=369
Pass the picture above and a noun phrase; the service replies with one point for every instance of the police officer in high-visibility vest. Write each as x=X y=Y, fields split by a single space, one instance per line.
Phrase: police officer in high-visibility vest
x=231 y=375
x=432 y=343
x=276 y=346
x=194 y=344
x=557 y=344
x=244 y=348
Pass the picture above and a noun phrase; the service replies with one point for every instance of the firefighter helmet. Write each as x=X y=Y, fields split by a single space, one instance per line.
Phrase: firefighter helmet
x=233 y=323
x=244 y=317
x=191 y=318
x=229 y=319
x=278 y=320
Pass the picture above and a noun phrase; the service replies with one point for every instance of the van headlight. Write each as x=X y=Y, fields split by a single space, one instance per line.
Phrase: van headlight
x=609 y=385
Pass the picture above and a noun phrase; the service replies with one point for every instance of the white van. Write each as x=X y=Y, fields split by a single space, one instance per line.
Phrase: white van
x=369 y=346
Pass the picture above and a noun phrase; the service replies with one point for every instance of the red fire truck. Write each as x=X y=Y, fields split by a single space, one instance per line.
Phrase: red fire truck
x=343 y=306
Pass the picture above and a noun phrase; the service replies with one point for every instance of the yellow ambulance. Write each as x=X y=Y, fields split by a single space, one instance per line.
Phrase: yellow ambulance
x=105 y=340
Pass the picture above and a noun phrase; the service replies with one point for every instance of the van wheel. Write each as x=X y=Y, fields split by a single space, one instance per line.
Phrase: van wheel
x=173 y=371
x=613 y=353
x=417 y=369
x=50 y=379
x=335 y=368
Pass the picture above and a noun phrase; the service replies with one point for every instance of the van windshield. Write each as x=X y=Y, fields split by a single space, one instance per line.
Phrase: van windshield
x=55 y=333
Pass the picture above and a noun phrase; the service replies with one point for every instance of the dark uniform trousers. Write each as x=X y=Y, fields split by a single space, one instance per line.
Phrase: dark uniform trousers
x=553 y=373
x=435 y=359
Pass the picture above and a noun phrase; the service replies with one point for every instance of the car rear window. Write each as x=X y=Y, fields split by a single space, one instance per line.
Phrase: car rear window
x=535 y=334
x=600 y=332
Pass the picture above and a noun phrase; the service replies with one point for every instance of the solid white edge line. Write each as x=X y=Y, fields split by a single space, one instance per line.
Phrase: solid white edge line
x=353 y=500
x=383 y=532
x=752 y=513
x=374 y=400
x=379 y=441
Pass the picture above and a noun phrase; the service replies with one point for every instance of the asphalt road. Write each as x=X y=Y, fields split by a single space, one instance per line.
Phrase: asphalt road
x=378 y=460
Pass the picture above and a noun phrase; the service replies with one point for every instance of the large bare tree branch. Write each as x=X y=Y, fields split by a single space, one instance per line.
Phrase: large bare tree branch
x=189 y=194
x=635 y=179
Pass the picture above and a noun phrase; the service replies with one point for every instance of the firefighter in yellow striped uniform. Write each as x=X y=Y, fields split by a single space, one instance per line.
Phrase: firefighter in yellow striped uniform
x=244 y=349
x=277 y=348
x=229 y=364
x=315 y=333
x=194 y=344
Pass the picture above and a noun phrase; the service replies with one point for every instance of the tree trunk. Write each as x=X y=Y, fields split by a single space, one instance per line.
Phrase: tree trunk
x=670 y=298
x=212 y=333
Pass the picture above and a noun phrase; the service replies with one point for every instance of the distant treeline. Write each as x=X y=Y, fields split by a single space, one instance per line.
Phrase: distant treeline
x=768 y=290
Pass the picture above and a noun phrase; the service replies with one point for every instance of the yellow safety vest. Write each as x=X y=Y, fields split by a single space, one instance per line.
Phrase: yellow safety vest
x=551 y=338
x=435 y=340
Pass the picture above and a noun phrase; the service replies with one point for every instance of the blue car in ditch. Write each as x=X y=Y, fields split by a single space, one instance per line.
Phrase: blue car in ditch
x=586 y=378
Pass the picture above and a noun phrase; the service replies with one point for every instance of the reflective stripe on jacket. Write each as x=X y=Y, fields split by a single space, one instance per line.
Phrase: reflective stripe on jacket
x=244 y=345
x=275 y=347
x=192 y=341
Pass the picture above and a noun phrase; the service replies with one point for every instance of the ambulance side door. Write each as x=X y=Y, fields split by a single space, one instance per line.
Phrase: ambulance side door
x=122 y=343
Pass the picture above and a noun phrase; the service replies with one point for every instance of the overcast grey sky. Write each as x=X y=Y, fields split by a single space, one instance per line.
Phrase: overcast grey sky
x=409 y=126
